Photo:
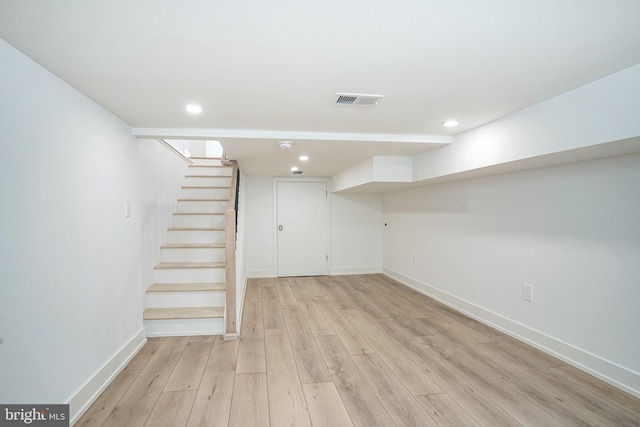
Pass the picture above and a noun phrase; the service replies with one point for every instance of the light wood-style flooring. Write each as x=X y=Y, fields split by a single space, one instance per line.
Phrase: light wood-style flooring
x=354 y=351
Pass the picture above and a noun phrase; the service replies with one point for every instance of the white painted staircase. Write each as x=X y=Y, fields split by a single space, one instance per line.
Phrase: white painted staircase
x=188 y=293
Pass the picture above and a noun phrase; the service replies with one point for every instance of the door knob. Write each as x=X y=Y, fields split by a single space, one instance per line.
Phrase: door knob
x=280 y=228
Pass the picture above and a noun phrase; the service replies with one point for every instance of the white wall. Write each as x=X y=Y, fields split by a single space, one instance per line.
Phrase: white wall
x=355 y=232
x=70 y=306
x=571 y=231
x=259 y=211
x=162 y=175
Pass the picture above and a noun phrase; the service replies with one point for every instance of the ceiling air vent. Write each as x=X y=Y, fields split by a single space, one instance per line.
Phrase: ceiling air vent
x=358 y=99
x=297 y=172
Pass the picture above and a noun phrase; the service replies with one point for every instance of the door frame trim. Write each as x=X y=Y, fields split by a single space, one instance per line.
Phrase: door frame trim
x=275 y=218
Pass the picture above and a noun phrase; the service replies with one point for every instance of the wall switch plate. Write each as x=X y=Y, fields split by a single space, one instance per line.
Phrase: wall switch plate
x=527 y=292
x=415 y=260
x=127 y=208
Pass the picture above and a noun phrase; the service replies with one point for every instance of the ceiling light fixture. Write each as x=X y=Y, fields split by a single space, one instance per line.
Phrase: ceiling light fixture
x=194 y=109
x=303 y=158
x=294 y=168
x=285 y=145
x=450 y=123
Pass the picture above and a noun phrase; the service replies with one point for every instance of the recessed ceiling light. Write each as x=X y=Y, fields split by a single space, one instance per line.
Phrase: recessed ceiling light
x=294 y=168
x=303 y=158
x=285 y=145
x=194 y=109
x=450 y=123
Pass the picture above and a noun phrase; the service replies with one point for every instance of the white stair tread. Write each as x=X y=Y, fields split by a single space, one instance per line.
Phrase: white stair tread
x=192 y=245
x=209 y=166
x=183 y=313
x=187 y=287
x=205 y=158
x=176 y=265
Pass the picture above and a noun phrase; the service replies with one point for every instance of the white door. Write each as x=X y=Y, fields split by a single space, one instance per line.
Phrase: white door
x=302 y=221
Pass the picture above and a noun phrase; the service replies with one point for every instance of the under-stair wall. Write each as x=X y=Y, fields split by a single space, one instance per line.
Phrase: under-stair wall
x=162 y=172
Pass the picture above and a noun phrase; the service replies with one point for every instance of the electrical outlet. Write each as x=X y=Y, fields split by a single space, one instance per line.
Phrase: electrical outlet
x=415 y=260
x=127 y=208
x=527 y=292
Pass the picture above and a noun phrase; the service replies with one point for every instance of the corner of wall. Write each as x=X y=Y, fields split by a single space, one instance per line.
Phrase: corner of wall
x=91 y=390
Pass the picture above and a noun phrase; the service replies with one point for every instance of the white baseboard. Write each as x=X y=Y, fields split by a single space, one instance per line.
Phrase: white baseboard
x=345 y=271
x=608 y=371
x=261 y=274
x=91 y=390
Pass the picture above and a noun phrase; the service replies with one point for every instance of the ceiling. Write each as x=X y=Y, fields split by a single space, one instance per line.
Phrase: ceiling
x=264 y=71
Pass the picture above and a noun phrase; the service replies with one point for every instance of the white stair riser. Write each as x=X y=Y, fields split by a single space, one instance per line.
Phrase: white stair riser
x=192 y=254
x=202 y=206
x=185 y=299
x=214 y=181
x=205 y=193
x=195 y=236
x=208 y=171
x=188 y=275
x=184 y=327
x=210 y=162
x=198 y=220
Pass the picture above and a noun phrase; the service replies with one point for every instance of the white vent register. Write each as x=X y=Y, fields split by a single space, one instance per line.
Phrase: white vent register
x=358 y=99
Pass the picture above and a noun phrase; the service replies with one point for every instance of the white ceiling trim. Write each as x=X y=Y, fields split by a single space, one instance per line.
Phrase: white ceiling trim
x=156 y=133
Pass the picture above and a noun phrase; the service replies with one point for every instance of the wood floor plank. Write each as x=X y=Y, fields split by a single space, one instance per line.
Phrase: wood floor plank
x=364 y=306
x=251 y=352
x=188 y=371
x=314 y=317
x=251 y=356
x=271 y=309
x=172 y=409
x=253 y=292
x=624 y=400
x=603 y=409
x=350 y=337
x=313 y=286
x=285 y=295
x=136 y=405
x=445 y=411
x=333 y=289
x=476 y=404
x=252 y=321
x=212 y=404
x=146 y=352
x=250 y=402
x=523 y=410
x=311 y=367
x=325 y=405
x=399 y=403
x=452 y=323
x=403 y=301
x=565 y=411
x=287 y=405
x=363 y=406
x=415 y=379
x=102 y=407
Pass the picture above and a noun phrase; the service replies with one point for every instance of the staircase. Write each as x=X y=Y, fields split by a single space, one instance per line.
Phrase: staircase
x=188 y=293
